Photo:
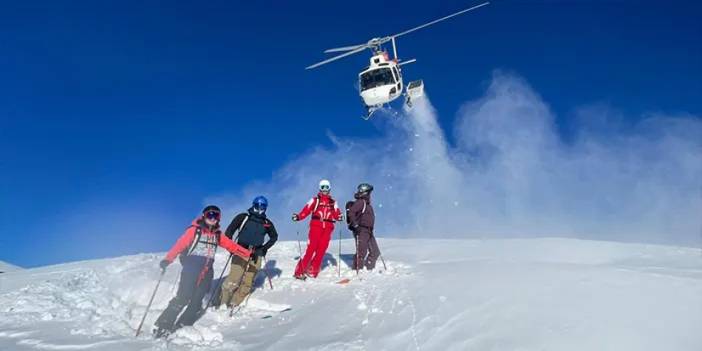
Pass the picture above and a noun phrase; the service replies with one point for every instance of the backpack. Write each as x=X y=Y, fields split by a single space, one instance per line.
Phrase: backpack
x=243 y=223
x=319 y=199
x=196 y=240
x=218 y=233
x=349 y=204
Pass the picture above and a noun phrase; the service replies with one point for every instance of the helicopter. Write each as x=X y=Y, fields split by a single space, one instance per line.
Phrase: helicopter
x=381 y=82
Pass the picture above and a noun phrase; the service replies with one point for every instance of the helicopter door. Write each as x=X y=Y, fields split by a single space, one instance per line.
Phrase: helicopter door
x=398 y=78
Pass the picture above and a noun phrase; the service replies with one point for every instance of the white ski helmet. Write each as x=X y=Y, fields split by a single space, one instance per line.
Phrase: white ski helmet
x=324 y=185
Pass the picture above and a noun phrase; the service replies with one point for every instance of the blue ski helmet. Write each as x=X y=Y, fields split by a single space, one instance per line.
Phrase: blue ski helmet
x=260 y=204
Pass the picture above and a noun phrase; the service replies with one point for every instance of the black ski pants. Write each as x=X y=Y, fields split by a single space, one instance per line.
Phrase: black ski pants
x=191 y=291
x=367 y=251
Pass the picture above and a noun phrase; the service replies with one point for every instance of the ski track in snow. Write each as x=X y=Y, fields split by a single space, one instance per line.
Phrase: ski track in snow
x=531 y=294
x=38 y=344
x=414 y=322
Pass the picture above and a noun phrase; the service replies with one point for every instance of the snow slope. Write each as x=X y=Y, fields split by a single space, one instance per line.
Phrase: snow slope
x=531 y=294
x=6 y=267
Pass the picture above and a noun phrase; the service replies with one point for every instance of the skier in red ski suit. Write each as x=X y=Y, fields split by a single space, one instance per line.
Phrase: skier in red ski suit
x=325 y=212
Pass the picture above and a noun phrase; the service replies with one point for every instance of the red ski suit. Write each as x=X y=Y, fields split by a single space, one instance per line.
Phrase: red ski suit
x=325 y=212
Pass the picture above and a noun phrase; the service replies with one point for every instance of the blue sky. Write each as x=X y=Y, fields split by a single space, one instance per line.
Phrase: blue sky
x=118 y=118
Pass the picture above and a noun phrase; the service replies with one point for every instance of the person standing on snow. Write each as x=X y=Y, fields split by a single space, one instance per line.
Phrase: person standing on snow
x=361 y=221
x=196 y=247
x=252 y=227
x=325 y=212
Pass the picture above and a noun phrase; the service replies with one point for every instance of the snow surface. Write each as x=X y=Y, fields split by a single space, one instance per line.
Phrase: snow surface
x=6 y=267
x=527 y=294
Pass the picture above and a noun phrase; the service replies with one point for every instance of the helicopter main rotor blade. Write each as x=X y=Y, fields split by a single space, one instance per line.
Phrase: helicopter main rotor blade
x=440 y=19
x=345 y=48
x=337 y=57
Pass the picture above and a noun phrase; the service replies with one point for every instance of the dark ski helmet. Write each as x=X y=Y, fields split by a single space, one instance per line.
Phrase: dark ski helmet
x=212 y=212
x=211 y=208
x=364 y=188
x=260 y=204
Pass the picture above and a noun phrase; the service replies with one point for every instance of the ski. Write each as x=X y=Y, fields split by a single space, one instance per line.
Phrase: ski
x=344 y=281
x=268 y=316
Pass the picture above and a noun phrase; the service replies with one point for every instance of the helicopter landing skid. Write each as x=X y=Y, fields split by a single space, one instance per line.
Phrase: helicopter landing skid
x=369 y=112
x=386 y=108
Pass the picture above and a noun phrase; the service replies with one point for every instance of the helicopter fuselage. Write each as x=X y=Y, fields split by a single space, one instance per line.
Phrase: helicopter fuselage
x=381 y=82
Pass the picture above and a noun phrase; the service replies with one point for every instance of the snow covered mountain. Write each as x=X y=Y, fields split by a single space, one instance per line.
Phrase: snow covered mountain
x=530 y=294
x=6 y=267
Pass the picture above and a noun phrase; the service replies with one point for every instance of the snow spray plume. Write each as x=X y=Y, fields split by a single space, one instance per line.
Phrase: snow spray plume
x=510 y=174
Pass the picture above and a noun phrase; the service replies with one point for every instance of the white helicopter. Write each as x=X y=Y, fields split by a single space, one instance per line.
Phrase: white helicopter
x=381 y=82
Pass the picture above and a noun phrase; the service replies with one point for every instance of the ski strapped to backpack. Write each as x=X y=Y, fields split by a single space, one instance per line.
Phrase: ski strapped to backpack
x=243 y=223
x=241 y=251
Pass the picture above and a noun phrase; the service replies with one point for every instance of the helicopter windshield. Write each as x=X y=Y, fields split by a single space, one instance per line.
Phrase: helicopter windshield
x=375 y=78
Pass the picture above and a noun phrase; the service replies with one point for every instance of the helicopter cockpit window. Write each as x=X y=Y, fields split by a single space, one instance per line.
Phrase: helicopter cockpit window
x=377 y=77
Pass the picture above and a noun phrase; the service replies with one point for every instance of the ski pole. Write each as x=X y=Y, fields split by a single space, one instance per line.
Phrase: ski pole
x=358 y=259
x=299 y=246
x=265 y=263
x=338 y=263
x=246 y=302
x=238 y=285
x=163 y=272
x=176 y=281
x=209 y=301
x=379 y=254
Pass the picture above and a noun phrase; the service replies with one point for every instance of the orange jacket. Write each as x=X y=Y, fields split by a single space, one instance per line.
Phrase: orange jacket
x=207 y=244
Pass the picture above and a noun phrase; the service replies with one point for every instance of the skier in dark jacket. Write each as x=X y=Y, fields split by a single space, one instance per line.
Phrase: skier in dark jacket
x=196 y=247
x=361 y=221
x=252 y=227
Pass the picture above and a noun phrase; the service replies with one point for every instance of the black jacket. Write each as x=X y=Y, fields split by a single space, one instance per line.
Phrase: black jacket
x=252 y=235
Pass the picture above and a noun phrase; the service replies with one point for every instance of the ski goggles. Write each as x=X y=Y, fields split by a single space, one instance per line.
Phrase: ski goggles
x=260 y=208
x=213 y=215
x=325 y=188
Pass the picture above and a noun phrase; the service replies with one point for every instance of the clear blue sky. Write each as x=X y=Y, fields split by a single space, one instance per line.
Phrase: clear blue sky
x=118 y=118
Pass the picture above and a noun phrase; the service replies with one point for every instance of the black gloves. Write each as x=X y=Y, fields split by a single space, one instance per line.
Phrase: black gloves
x=164 y=264
x=295 y=217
